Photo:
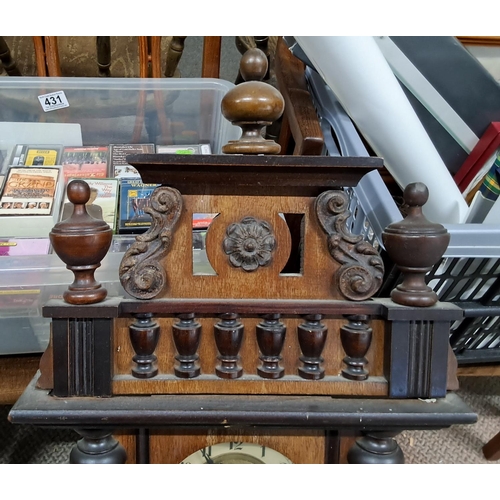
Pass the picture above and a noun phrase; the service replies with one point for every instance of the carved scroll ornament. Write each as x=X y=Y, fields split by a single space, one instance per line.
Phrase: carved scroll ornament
x=249 y=243
x=362 y=270
x=141 y=272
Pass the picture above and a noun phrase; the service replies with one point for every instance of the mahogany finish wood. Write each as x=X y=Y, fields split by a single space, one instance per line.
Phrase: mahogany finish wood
x=312 y=338
x=415 y=244
x=252 y=106
x=254 y=65
x=47 y=56
x=356 y=338
x=52 y=56
x=245 y=47
x=248 y=245
x=300 y=121
x=144 y=335
x=222 y=174
x=270 y=333
x=187 y=335
x=41 y=65
x=228 y=334
x=81 y=242
x=210 y=67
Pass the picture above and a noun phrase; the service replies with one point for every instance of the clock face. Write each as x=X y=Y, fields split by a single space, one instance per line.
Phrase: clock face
x=236 y=453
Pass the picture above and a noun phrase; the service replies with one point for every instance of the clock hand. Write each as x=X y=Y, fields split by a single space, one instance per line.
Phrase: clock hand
x=206 y=456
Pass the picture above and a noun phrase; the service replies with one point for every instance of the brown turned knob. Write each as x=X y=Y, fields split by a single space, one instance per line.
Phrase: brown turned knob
x=81 y=242
x=415 y=244
x=253 y=65
x=252 y=105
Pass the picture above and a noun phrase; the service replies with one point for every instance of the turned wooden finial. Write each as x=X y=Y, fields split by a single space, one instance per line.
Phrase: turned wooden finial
x=252 y=105
x=81 y=242
x=415 y=244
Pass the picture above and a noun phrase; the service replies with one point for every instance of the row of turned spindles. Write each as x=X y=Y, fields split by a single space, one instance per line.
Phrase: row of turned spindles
x=355 y=336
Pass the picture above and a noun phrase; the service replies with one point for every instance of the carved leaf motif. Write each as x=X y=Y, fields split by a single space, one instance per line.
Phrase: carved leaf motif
x=249 y=243
x=141 y=271
x=362 y=271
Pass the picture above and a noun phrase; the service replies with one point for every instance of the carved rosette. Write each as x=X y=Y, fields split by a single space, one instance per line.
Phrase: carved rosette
x=141 y=271
x=362 y=270
x=249 y=243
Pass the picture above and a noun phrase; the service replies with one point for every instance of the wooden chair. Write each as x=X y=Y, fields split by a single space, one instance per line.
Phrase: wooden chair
x=304 y=365
x=46 y=56
x=48 y=61
x=150 y=56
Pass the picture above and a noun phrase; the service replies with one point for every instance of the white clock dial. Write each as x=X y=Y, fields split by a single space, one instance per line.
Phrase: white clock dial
x=236 y=453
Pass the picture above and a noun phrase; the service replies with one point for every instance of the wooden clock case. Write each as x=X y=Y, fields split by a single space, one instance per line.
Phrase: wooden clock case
x=285 y=344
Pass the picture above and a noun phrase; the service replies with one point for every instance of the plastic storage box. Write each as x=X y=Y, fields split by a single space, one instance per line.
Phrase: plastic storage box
x=91 y=111
x=469 y=272
x=122 y=110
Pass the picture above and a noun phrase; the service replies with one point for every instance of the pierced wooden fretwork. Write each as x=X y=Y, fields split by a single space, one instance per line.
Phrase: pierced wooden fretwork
x=187 y=333
x=141 y=272
x=356 y=338
x=144 y=336
x=228 y=338
x=270 y=338
x=249 y=244
x=312 y=337
x=362 y=268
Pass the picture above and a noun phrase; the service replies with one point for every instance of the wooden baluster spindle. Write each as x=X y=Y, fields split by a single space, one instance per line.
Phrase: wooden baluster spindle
x=270 y=338
x=144 y=335
x=356 y=337
x=187 y=334
x=312 y=337
x=228 y=338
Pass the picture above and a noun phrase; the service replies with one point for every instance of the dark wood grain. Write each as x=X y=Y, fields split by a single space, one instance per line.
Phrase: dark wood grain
x=37 y=407
x=301 y=117
x=202 y=174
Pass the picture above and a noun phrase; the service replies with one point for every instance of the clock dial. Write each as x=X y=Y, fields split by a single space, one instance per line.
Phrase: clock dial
x=236 y=453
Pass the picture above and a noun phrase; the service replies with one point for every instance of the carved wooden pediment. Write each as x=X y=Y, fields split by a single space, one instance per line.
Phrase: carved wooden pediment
x=250 y=242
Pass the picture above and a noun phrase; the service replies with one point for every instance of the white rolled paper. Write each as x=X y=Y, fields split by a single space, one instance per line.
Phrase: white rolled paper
x=359 y=75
